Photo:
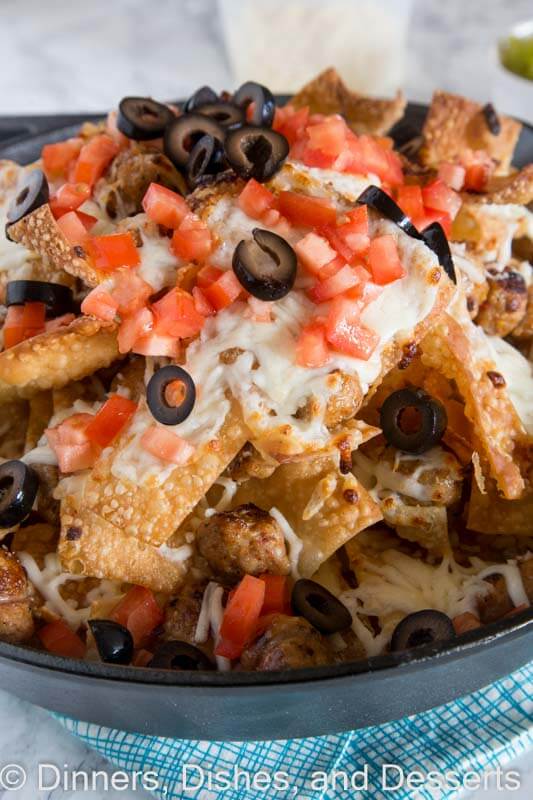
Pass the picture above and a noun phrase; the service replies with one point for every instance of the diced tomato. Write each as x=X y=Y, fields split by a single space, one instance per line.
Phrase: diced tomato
x=68 y=198
x=340 y=282
x=58 y=157
x=240 y=617
x=312 y=212
x=164 y=206
x=346 y=333
x=154 y=344
x=430 y=216
x=328 y=270
x=365 y=292
x=438 y=196
x=59 y=322
x=208 y=275
x=369 y=156
x=384 y=260
x=69 y=442
x=328 y=136
x=255 y=199
x=100 y=304
x=133 y=328
x=87 y=220
x=176 y=315
x=73 y=229
x=317 y=158
x=277 y=595
x=23 y=322
x=139 y=612
x=465 y=622
x=110 y=420
x=191 y=241
x=291 y=123
x=337 y=242
x=201 y=303
x=312 y=348
x=167 y=446
x=410 y=200
x=114 y=251
x=142 y=658
x=453 y=175
x=130 y=291
x=224 y=291
x=59 y=639
x=94 y=158
x=314 y=252
x=476 y=177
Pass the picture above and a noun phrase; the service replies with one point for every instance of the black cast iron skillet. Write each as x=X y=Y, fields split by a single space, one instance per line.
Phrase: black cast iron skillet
x=238 y=706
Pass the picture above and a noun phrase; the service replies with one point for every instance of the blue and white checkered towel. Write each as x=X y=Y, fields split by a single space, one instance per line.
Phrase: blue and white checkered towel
x=481 y=732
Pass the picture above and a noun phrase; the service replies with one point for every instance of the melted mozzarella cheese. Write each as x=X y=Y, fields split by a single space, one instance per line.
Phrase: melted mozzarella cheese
x=210 y=620
x=322 y=182
x=177 y=555
x=14 y=257
x=48 y=582
x=518 y=222
x=518 y=374
x=158 y=263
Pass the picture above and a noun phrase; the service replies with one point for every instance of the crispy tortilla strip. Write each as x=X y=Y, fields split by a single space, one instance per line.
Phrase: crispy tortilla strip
x=516 y=189
x=149 y=510
x=328 y=94
x=55 y=358
x=457 y=349
x=39 y=232
x=324 y=508
x=104 y=551
x=489 y=512
x=455 y=125
x=41 y=409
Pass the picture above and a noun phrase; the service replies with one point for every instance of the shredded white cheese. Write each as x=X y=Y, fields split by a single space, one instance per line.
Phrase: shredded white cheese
x=293 y=541
x=178 y=555
x=210 y=620
x=48 y=581
x=518 y=374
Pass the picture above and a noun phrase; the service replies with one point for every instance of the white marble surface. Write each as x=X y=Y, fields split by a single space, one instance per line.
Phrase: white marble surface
x=61 y=55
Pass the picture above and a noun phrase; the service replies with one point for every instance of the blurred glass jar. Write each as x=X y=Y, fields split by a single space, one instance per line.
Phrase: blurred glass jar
x=285 y=43
x=513 y=88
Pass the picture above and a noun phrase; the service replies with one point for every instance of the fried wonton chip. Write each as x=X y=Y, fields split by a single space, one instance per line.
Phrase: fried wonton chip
x=149 y=507
x=41 y=409
x=457 y=348
x=40 y=232
x=455 y=125
x=90 y=545
x=54 y=358
x=489 y=230
x=328 y=94
x=323 y=507
x=489 y=512
x=516 y=189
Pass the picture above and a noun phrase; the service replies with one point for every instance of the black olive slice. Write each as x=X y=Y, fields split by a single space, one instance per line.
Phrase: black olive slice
x=380 y=201
x=263 y=100
x=433 y=235
x=113 y=641
x=436 y=240
x=422 y=430
x=157 y=391
x=33 y=194
x=56 y=297
x=226 y=114
x=183 y=133
x=204 y=159
x=142 y=118
x=255 y=152
x=180 y=655
x=492 y=119
x=422 y=627
x=18 y=489
x=319 y=607
x=201 y=97
x=265 y=266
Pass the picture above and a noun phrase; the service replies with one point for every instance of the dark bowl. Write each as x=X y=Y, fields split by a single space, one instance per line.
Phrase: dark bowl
x=240 y=706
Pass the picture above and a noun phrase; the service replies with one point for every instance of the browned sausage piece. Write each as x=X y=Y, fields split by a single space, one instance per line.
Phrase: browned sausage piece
x=182 y=612
x=244 y=541
x=505 y=305
x=288 y=643
x=130 y=175
x=16 y=620
x=497 y=603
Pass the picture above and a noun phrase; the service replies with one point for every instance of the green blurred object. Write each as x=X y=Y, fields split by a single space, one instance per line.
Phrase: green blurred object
x=516 y=55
